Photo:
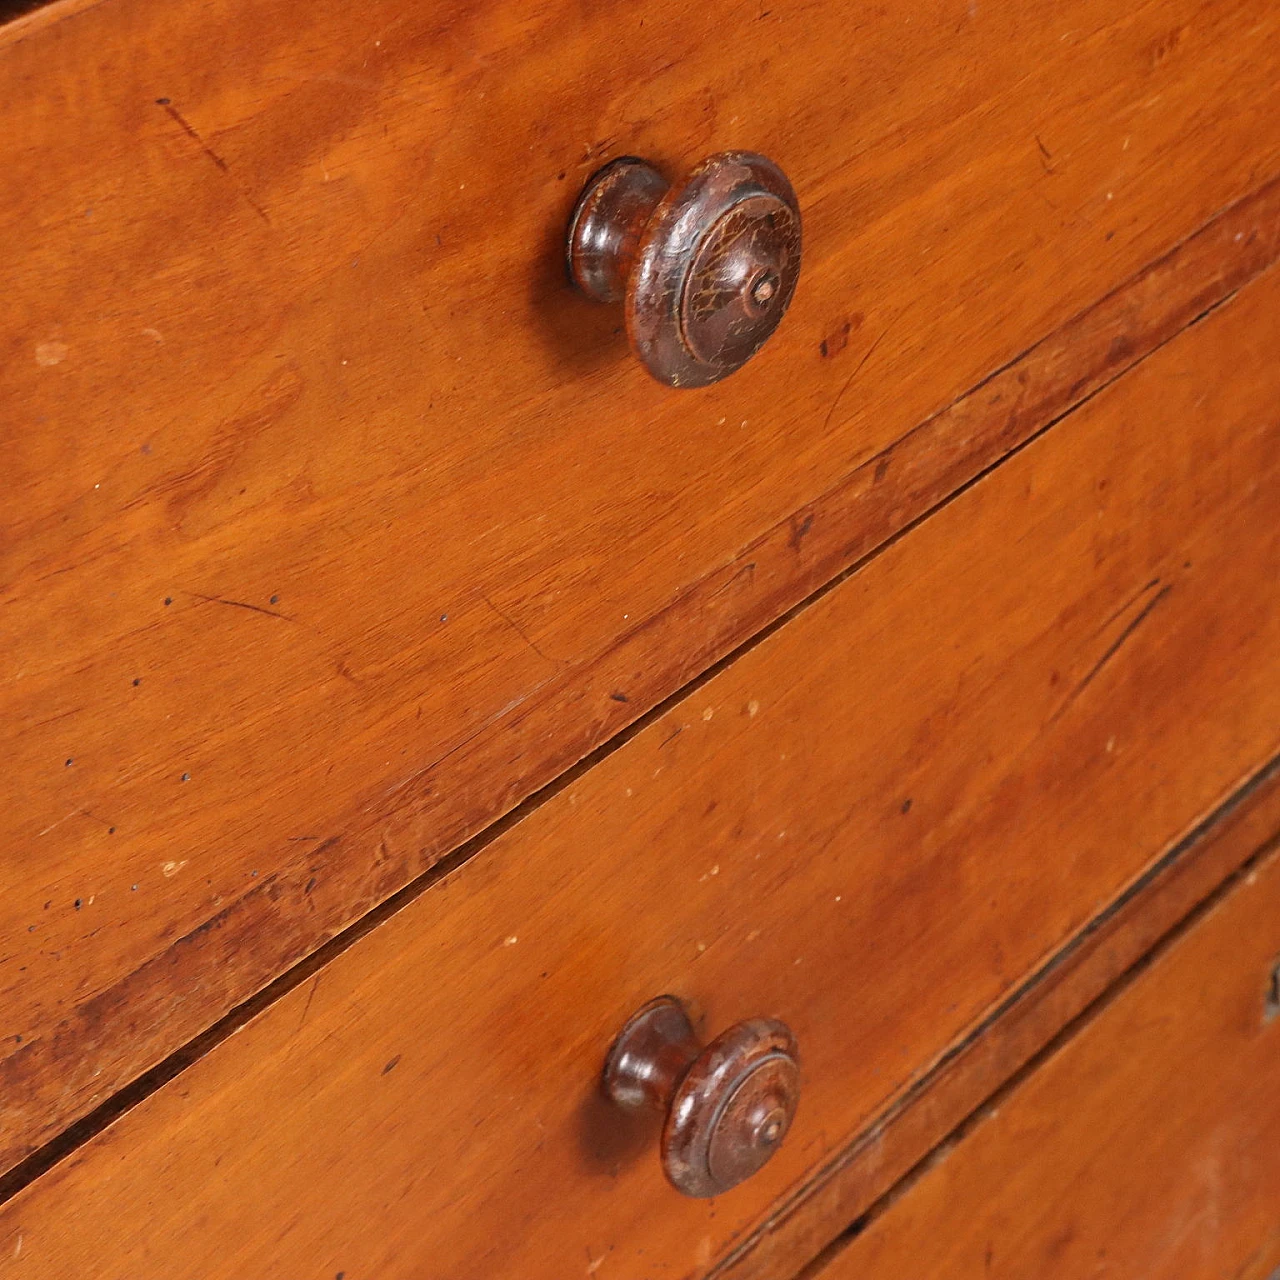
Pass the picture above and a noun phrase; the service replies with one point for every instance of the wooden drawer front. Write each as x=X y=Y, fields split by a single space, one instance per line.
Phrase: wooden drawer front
x=1148 y=1145
x=335 y=524
x=872 y=825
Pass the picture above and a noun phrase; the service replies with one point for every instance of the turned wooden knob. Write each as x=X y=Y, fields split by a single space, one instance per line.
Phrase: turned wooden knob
x=705 y=268
x=728 y=1105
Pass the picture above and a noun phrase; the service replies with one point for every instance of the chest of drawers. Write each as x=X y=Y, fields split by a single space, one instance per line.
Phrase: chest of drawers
x=401 y=688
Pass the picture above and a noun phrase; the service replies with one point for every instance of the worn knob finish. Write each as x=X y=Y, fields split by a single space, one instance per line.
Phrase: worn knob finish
x=728 y=1105
x=705 y=268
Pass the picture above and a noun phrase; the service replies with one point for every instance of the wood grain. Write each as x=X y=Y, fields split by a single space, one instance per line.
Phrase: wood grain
x=335 y=524
x=1148 y=1145
x=873 y=826
x=906 y=1131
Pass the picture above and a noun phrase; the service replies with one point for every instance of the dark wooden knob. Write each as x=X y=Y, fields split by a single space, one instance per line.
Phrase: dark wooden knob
x=728 y=1105
x=705 y=268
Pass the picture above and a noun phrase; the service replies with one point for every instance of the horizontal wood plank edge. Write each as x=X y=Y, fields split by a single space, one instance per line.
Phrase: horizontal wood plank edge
x=934 y=1111
x=258 y=946
x=22 y=19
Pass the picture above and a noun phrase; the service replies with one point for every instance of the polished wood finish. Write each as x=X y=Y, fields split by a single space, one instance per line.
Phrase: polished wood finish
x=1147 y=1145
x=727 y=1106
x=322 y=508
x=707 y=268
x=848 y=827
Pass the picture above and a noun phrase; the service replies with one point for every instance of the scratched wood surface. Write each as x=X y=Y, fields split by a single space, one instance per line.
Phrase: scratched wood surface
x=873 y=824
x=1149 y=1145
x=333 y=524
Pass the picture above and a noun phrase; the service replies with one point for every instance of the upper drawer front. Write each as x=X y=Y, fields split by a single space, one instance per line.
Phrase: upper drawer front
x=1148 y=1146
x=335 y=523
x=872 y=825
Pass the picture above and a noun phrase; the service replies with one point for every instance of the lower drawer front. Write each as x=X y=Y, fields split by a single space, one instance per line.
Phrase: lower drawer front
x=873 y=825
x=1148 y=1146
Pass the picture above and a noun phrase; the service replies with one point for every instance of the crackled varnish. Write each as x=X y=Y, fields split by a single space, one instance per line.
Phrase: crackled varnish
x=876 y=825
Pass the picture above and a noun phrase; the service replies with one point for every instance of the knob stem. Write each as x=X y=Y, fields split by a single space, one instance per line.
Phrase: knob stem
x=607 y=224
x=651 y=1056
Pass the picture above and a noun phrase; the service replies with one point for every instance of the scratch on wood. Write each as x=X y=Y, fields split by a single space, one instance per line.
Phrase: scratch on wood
x=465 y=742
x=240 y=604
x=181 y=121
x=59 y=823
x=870 y=351
x=515 y=626
x=1112 y=649
x=1128 y=604
x=747 y=571
x=1046 y=156
x=311 y=995
x=62 y=715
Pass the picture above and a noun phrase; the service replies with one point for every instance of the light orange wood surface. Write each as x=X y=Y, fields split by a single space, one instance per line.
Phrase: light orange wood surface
x=800 y=1228
x=874 y=825
x=333 y=524
x=1148 y=1145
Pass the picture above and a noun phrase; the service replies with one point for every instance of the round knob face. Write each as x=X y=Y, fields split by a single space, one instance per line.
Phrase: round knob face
x=733 y=1108
x=734 y=292
x=715 y=271
x=753 y=1121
